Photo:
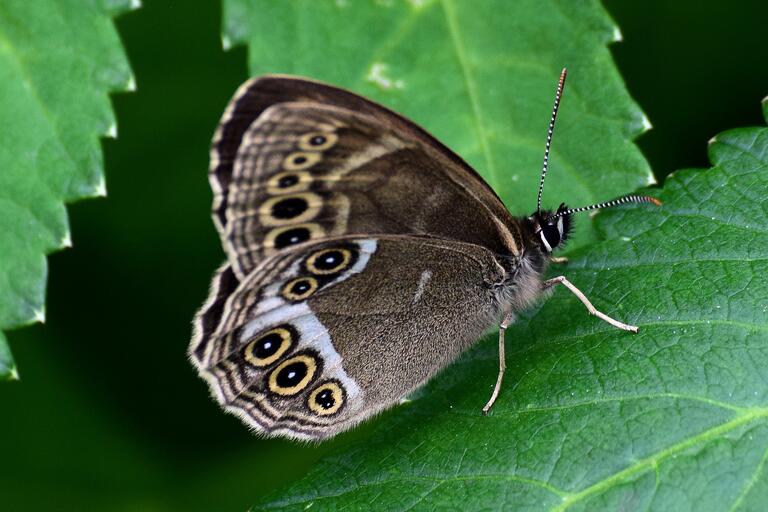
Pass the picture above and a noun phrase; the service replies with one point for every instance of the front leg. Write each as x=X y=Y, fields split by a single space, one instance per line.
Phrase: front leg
x=592 y=311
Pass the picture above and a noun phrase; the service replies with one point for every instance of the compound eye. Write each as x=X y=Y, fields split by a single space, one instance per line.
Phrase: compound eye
x=550 y=237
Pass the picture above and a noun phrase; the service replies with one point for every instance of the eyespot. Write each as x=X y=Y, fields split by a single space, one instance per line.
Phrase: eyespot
x=326 y=399
x=270 y=346
x=292 y=375
x=318 y=141
x=292 y=235
x=288 y=181
x=301 y=160
x=290 y=209
x=300 y=288
x=329 y=261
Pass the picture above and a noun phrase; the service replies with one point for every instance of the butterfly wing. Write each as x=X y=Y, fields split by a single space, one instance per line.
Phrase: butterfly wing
x=295 y=160
x=323 y=335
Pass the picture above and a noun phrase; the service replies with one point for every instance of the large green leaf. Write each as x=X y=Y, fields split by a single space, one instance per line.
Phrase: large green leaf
x=58 y=61
x=479 y=75
x=673 y=418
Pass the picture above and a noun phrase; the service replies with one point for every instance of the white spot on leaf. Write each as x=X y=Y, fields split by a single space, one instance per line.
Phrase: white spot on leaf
x=378 y=75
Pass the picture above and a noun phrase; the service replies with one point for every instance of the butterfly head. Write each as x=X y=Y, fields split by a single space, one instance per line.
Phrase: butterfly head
x=551 y=229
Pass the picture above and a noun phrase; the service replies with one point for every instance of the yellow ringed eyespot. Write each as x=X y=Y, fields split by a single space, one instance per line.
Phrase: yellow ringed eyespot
x=317 y=141
x=288 y=181
x=290 y=209
x=326 y=399
x=292 y=375
x=300 y=288
x=270 y=346
x=301 y=160
x=329 y=261
x=292 y=235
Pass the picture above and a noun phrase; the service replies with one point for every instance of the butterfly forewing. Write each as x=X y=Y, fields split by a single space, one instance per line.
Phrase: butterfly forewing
x=295 y=161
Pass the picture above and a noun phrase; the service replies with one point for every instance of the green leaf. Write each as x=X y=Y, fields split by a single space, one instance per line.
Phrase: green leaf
x=591 y=418
x=58 y=61
x=480 y=76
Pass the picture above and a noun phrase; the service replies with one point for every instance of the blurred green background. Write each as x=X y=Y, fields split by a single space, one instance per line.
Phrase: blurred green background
x=109 y=415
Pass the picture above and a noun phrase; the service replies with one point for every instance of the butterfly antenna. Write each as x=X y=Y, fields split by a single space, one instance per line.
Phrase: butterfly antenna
x=558 y=94
x=608 y=204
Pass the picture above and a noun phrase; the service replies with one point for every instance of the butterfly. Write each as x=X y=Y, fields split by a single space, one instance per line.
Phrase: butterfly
x=363 y=256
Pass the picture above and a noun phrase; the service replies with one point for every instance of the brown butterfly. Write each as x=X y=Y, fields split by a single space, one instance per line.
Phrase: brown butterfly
x=363 y=256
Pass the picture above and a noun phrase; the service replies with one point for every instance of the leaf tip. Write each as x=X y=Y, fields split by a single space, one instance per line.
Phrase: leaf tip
x=226 y=42
x=39 y=314
x=646 y=123
x=112 y=131
x=100 y=190
x=135 y=4
x=617 y=35
x=66 y=240
x=130 y=85
x=13 y=374
x=712 y=140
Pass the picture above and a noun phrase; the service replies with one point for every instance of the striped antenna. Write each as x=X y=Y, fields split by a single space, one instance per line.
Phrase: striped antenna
x=558 y=94
x=608 y=204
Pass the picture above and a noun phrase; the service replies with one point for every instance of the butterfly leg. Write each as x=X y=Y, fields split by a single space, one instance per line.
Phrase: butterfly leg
x=558 y=259
x=508 y=318
x=592 y=311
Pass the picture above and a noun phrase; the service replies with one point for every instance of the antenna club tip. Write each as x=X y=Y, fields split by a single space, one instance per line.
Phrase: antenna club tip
x=655 y=201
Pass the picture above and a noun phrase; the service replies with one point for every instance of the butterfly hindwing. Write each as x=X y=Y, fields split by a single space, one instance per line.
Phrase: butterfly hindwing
x=320 y=337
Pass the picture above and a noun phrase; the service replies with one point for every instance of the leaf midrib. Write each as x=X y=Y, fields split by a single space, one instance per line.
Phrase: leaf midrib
x=651 y=461
x=469 y=82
